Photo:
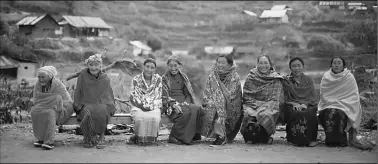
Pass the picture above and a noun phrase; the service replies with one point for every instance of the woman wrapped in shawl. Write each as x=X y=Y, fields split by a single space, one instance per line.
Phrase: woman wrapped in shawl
x=179 y=104
x=222 y=102
x=93 y=102
x=52 y=106
x=300 y=106
x=339 y=106
x=262 y=96
x=145 y=96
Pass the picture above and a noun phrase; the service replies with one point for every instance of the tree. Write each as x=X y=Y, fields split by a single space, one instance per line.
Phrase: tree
x=363 y=35
x=4 y=28
x=154 y=43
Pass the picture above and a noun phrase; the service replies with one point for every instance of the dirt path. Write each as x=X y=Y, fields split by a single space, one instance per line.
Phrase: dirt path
x=16 y=146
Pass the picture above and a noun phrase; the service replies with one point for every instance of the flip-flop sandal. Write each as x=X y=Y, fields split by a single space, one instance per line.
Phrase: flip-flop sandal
x=100 y=146
x=88 y=145
x=359 y=145
x=313 y=144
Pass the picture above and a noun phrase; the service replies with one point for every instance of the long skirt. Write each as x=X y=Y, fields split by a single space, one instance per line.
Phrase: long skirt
x=94 y=119
x=302 y=126
x=186 y=124
x=44 y=121
x=253 y=131
x=334 y=122
x=147 y=124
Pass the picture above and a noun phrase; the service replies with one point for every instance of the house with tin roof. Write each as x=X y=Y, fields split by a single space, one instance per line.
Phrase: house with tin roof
x=277 y=14
x=83 y=26
x=43 y=26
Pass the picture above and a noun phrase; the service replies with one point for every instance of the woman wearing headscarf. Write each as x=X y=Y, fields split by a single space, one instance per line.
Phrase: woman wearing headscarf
x=262 y=96
x=52 y=106
x=93 y=102
x=179 y=104
x=300 y=106
x=339 y=106
x=222 y=102
x=145 y=97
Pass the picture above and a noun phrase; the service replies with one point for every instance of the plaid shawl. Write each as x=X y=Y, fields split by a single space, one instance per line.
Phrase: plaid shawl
x=302 y=92
x=166 y=81
x=224 y=99
x=146 y=98
x=262 y=95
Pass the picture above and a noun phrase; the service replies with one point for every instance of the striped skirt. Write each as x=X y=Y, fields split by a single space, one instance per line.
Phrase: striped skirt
x=147 y=124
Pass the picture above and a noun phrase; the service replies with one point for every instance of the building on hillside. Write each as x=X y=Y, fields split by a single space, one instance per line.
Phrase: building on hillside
x=180 y=52
x=281 y=7
x=219 y=50
x=358 y=6
x=18 y=69
x=274 y=16
x=82 y=26
x=39 y=26
x=340 y=5
x=139 y=48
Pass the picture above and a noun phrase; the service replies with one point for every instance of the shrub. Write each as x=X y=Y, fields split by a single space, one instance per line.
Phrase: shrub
x=363 y=35
x=154 y=42
x=47 y=44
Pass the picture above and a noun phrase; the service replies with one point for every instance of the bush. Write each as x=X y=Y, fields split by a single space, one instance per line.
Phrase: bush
x=363 y=35
x=154 y=42
x=4 y=28
x=47 y=44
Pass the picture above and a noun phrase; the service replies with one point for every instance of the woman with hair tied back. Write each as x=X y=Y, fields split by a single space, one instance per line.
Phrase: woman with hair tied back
x=300 y=106
x=339 y=106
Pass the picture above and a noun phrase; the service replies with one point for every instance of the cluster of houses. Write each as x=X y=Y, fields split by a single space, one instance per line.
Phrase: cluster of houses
x=63 y=26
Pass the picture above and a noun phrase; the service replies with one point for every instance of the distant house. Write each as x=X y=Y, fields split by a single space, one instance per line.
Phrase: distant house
x=332 y=4
x=139 y=48
x=180 y=52
x=281 y=7
x=82 y=26
x=18 y=69
x=219 y=50
x=274 y=16
x=358 y=6
x=38 y=26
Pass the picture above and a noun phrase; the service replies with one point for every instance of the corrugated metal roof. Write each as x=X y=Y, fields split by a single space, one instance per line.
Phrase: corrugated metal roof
x=140 y=45
x=6 y=62
x=80 y=21
x=278 y=7
x=219 y=50
x=31 y=20
x=273 y=13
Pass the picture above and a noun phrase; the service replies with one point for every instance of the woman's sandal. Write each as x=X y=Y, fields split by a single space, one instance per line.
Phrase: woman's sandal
x=88 y=144
x=360 y=145
x=313 y=143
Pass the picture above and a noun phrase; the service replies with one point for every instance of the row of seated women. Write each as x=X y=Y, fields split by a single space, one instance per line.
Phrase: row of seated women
x=227 y=107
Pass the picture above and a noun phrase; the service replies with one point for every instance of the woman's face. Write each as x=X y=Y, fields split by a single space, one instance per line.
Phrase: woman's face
x=263 y=65
x=174 y=67
x=149 y=69
x=222 y=64
x=337 y=65
x=94 y=67
x=43 y=78
x=296 y=67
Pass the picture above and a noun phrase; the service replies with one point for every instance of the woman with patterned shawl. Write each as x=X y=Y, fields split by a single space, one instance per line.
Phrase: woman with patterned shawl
x=94 y=102
x=262 y=96
x=222 y=102
x=145 y=96
x=300 y=106
x=179 y=104
x=339 y=106
x=52 y=106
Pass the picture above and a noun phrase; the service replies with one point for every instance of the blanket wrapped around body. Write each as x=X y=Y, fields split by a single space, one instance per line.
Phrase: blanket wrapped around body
x=340 y=91
x=262 y=96
x=51 y=108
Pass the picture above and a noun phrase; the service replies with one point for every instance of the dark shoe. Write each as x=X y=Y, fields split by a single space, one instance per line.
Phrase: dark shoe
x=197 y=137
x=219 y=141
x=173 y=140
x=38 y=144
x=313 y=144
x=48 y=146
x=132 y=140
x=89 y=144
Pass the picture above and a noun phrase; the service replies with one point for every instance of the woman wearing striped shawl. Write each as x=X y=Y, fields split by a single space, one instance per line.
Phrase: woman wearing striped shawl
x=179 y=104
x=52 y=106
x=94 y=102
x=146 y=100
x=262 y=95
x=222 y=102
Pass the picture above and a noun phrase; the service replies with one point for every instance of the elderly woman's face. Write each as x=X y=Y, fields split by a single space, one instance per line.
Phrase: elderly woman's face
x=149 y=69
x=337 y=65
x=94 y=67
x=43 y=78
x=174 y=67
x=263 y=65
x=296 y=67
x=222 y=64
